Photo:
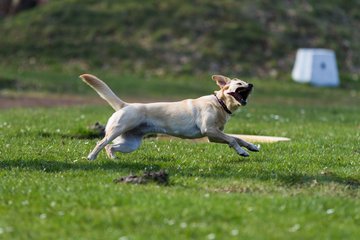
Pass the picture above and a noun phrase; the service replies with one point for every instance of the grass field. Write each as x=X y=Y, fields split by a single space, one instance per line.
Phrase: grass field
x=304 y=189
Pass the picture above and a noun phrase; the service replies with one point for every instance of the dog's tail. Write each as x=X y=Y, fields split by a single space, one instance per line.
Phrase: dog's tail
x=104 y=91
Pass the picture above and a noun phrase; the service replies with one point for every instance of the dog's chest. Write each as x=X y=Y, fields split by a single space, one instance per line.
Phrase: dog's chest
x=221 y=120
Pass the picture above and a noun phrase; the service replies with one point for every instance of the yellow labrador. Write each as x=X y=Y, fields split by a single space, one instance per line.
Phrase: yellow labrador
x=190 y=118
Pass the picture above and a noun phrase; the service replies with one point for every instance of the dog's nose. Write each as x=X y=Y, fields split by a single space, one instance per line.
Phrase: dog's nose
x=250 y=86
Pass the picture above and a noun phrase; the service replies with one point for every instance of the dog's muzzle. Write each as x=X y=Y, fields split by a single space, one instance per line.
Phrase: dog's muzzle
x=241 y=94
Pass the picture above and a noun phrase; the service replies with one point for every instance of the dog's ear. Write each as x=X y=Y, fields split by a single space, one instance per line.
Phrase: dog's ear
x=220 y=80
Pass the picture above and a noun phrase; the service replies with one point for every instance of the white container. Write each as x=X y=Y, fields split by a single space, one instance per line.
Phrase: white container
x=316 y=66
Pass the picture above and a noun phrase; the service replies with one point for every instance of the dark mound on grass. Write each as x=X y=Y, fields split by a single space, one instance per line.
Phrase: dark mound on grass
x=159 y=177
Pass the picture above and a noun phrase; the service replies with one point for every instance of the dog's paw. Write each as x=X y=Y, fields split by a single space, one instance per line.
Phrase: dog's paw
x=113 y=157
x=91 y=157
x=253 y=148
x=110 y=153
x=244 y=154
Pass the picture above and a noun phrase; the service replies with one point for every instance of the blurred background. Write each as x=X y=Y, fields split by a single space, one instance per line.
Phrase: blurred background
x=46 y=44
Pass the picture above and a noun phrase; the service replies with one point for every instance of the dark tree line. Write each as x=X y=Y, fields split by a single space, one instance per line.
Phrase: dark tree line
x=11 y=7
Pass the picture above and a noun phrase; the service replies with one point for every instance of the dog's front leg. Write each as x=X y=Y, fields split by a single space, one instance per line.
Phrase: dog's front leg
x=241 y=142
x=215 y=135
x=246 y=144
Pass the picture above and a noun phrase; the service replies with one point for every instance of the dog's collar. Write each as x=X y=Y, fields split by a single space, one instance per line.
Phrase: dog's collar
x=223 y=105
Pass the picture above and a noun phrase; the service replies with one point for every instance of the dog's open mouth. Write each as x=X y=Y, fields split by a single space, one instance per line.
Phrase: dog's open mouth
x=241 y=94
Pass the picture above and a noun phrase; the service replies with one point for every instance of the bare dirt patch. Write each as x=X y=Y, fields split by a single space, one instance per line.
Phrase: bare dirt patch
x=33 y=100
x=18 y=100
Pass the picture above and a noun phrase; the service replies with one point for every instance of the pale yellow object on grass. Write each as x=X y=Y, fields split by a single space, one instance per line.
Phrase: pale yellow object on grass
x=250 y=138
x=262 y=139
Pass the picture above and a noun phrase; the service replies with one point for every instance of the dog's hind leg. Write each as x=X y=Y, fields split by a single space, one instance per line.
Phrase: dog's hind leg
x=100 y=145
x=110 y=135
x=125 y=143
x=119 y=123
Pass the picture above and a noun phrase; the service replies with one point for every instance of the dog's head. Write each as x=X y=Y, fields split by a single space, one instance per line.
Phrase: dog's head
x=234 y=92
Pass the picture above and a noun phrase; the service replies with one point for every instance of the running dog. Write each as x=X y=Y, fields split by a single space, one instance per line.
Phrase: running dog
x=191 y=118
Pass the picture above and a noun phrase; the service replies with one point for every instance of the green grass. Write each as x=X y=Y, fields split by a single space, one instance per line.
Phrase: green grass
x=175 y=87
x=126 y=85
x=247 y=37
x=304 y=189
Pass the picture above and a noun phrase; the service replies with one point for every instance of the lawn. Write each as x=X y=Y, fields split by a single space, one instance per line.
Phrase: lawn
x=307 y=188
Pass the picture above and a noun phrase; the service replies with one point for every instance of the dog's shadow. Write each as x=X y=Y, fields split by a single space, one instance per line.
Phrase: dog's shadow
x=317 y=179
x=290 y=179
x=83 y=134
x=57 y=166
x=222 y=171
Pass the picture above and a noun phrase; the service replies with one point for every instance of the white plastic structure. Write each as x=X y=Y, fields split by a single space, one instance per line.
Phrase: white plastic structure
x=316 y=66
